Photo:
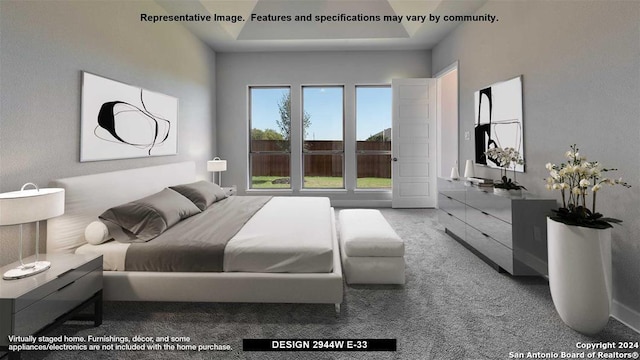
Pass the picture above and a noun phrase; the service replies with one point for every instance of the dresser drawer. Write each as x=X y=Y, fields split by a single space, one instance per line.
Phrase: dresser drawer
x=490 y=225
x=453 y=224
x=45 y=311
x=452 y=188
x=491 y=248
x=485 y=200
x=452 y=206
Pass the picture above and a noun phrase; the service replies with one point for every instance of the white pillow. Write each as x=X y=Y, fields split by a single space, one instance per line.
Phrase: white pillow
x=96 y=233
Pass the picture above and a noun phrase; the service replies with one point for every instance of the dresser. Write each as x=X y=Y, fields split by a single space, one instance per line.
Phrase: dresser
x=35 y=304
x=508 y=232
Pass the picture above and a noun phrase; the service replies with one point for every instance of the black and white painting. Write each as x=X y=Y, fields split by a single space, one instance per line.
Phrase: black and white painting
x=121 y=121
x=498 y=120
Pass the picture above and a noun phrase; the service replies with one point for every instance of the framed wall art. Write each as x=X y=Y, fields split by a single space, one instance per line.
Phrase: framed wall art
x=120 y=121
x=498 y=120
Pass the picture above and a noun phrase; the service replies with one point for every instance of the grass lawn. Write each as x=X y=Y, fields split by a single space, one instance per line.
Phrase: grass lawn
x=320 y=182
x=264 y=182
x=374 y=183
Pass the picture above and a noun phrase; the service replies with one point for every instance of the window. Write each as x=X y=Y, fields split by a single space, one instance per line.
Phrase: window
x=373 y=128
x=323 y=136
x=270 y=145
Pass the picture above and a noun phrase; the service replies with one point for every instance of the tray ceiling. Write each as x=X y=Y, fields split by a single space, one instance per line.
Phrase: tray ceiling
x=292 y=35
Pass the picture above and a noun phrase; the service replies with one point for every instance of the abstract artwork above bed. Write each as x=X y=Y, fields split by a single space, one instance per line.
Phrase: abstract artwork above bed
x=498 y=120
x=120 y=121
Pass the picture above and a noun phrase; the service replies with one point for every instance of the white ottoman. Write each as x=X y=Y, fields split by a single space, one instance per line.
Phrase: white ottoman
x=371 y=251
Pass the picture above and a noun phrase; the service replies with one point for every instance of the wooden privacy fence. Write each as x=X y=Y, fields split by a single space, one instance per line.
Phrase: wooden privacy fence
x=279 y=164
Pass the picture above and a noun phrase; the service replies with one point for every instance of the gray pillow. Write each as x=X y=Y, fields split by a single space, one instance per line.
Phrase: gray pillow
x=201 y=193
x=144 y=219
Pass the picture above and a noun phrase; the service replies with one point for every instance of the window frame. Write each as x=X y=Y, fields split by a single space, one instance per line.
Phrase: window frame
x=304 y=152
x=370 y=152
x=251 y=152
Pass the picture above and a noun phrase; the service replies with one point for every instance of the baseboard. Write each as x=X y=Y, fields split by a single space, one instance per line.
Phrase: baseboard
x=626 y=315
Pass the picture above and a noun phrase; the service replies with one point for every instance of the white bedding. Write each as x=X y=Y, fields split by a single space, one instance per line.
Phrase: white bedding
x=288 y=235
x=113 y=254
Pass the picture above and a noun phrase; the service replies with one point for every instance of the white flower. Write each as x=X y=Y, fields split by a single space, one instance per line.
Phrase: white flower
x=585 y=165
x=505 y=158
x=595 y=172
x=577 y=175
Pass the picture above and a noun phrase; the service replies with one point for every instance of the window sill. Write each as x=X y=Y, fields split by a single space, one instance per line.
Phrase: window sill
x=262 y=191
x=381 y=190
x=337 y=191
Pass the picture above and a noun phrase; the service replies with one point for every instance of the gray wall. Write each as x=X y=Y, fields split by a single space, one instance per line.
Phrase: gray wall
x=45 y=46
x=580 y=63
x=236 y=71
x=448 y=134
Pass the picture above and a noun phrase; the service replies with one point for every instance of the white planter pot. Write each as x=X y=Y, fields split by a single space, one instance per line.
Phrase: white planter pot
x=580 y=275
x=505 y=192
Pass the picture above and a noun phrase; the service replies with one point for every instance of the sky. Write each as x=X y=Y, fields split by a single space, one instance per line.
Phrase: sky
x=325 y=106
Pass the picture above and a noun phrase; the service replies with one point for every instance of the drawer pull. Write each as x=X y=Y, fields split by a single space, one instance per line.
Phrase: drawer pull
x=449 y=197
x=449 y=214
x=486 y=213
x=66 y=272
x=485 y=235
x=69 y=284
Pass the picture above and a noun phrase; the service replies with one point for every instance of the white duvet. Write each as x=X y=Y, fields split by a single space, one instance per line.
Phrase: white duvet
x=289 y=234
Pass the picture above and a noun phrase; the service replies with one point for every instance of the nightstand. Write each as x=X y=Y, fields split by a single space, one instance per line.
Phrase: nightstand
x=231 y=190
x=35 y=304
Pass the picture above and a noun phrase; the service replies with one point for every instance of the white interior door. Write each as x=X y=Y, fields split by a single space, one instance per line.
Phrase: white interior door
x=413 y=139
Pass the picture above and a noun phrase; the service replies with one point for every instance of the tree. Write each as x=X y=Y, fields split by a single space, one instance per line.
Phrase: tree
x=284 y=123
x=266 y=134
x=384 y=135
x=379 y=137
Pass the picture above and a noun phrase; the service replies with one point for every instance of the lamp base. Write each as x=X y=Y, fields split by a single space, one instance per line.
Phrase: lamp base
x=26 y=270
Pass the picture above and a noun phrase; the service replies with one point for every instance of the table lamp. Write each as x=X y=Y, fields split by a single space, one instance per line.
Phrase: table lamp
x=217 y=165
x=26 y=206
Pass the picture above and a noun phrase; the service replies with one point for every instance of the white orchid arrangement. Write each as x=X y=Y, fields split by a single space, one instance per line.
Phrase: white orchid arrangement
x=506 y=159
x=575 y=179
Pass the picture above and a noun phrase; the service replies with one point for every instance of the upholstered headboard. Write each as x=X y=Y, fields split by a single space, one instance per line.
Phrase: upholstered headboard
x=88 y=196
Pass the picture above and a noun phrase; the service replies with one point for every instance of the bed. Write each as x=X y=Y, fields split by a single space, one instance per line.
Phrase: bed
x=245 y=281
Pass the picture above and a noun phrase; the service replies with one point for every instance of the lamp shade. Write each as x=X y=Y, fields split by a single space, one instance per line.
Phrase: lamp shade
x=468 y=169
x=217 y=165
x=25 y=206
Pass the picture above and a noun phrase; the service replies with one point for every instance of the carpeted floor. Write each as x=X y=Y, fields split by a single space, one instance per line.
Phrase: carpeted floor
x=453 y=306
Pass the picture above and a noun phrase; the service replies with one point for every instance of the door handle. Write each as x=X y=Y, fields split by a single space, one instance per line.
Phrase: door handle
x=395 y=159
